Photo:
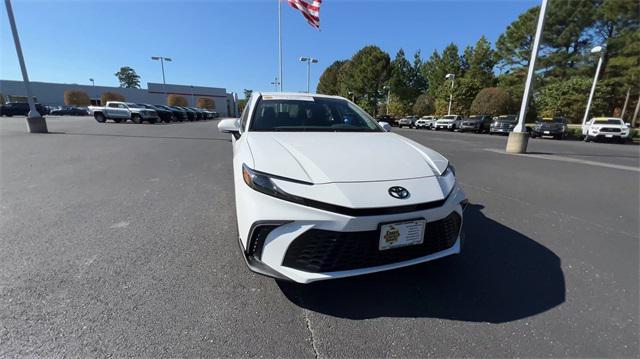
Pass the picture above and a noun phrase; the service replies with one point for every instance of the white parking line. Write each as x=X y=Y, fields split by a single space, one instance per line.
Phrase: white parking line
x=567 y=159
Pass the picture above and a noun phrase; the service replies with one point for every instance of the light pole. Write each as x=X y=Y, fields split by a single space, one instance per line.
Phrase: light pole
x=309 y=61
x=388 y=88
x=162 y=60
x=193 y=99
x=453 y=78
x=595 y=50
x=519 y=138
x=92 y=82
x=35 y=122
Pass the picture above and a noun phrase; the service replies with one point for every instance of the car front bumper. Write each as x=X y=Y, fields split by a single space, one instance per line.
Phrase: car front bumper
x=446 y=126
x=500 y=130
x=269 y=240
x=608 y=135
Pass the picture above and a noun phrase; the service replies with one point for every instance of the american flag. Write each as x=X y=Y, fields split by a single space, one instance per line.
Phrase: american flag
x=310 y=10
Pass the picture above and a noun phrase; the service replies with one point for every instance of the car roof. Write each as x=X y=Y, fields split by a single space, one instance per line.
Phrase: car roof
x=296 y=95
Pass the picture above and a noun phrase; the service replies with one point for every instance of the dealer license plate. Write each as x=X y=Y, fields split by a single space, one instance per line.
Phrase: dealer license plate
x=546 y=132
x=608 y=136
x=400 y=234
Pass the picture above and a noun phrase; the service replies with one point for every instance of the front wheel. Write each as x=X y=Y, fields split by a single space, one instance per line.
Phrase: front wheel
x=136 y=119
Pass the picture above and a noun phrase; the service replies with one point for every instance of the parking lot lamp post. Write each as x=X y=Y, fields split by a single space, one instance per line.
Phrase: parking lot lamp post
x=519 y=138
x=162 y=60
x=309 y=61
x=92 y=82
x=595 y=50
x=193 y=99
x=35 y=122
x=453 y=78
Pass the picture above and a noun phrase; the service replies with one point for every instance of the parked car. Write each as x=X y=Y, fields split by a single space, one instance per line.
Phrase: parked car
x=447 y=122
x=69 y=111
x=200 y=115
x=191 y=114
x=123 y=111
x=555 y=127
x=176 y=113
x=388 y=119
x=140 y=114
x=606 y=128
x=19 y=109
x=503 y=124
x=476 y=123
x=312 y=205
x=163 y=114
x=427 y=122
x=113 y=110
x=409 y=121
x=210 y=114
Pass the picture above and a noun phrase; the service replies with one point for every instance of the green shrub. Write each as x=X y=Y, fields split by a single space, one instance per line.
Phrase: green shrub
x=206 y=102
x=492 y=101
x=76 y=98
x=110 y=96
x=177 y=100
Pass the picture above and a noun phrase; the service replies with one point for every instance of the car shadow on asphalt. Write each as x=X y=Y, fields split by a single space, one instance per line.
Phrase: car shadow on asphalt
x=501 y=276
x=140 y=136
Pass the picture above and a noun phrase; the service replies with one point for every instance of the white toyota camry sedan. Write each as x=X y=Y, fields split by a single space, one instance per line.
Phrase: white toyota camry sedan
x=324 y=191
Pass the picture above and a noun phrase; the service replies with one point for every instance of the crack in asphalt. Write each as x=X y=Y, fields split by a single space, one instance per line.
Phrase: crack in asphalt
x=307 y=321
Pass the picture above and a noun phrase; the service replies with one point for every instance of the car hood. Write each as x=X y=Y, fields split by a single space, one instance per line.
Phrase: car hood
x=331 y=157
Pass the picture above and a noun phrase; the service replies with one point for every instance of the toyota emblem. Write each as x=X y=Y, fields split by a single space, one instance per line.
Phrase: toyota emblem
x=398 y=192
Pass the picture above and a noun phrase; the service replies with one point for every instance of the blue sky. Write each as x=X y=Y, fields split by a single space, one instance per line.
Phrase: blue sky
x=230 y=44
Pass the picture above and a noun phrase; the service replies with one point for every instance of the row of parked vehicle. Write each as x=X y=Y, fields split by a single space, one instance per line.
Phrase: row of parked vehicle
x=599 y=128
x=142 y=112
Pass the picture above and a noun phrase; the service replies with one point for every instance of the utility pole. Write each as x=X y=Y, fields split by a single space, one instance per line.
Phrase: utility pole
x=35 y=122
x=275 y=83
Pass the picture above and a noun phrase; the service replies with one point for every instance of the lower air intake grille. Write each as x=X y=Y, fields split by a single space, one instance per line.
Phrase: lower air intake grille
x=319 y=251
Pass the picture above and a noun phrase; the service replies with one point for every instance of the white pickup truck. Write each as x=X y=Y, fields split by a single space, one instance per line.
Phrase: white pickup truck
x=123 y=111
x=605 y=128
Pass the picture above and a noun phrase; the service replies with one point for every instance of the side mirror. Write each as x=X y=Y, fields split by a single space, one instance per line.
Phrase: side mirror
x=230 y=125
x=628 y=124
x=385 y=126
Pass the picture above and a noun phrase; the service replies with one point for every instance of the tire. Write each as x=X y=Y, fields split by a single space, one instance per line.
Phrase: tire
x=136 y=119
x=152 y=121
x=587 y=139
x=171 y=119
x=99 y=118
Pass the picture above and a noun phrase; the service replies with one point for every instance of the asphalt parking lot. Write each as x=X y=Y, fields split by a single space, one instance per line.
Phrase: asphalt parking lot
x=120 y=240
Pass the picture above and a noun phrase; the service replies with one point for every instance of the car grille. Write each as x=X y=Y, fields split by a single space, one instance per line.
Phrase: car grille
x=328 y=251
x=609 y=129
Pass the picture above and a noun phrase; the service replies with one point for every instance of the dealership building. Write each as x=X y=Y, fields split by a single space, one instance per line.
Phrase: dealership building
x=52 y=94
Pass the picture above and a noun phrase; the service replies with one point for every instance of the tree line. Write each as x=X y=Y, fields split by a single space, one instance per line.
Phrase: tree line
x=490 y=79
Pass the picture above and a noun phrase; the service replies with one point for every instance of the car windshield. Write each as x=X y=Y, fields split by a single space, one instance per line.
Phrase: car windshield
x=552 y=120
x=475 y=117
x=608 y=121
x=311 y=114
x=449 y=117
x=133 y=105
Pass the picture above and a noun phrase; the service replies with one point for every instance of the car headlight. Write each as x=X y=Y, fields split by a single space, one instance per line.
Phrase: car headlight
x=262 y=182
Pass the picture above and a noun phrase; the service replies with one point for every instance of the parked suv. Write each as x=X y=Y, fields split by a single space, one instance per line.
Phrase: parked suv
x=476 y=123
x=554 y=127
x=606 y=128
x=447 y=122
x=427 y=122
x=19 y=109
x=503 y=124
x=409 y=121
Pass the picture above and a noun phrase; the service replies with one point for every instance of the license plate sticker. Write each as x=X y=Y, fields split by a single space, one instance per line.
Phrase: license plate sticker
x=400 y=234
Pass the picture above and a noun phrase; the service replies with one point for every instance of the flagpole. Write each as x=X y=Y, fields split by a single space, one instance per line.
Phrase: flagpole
x=280 y=42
